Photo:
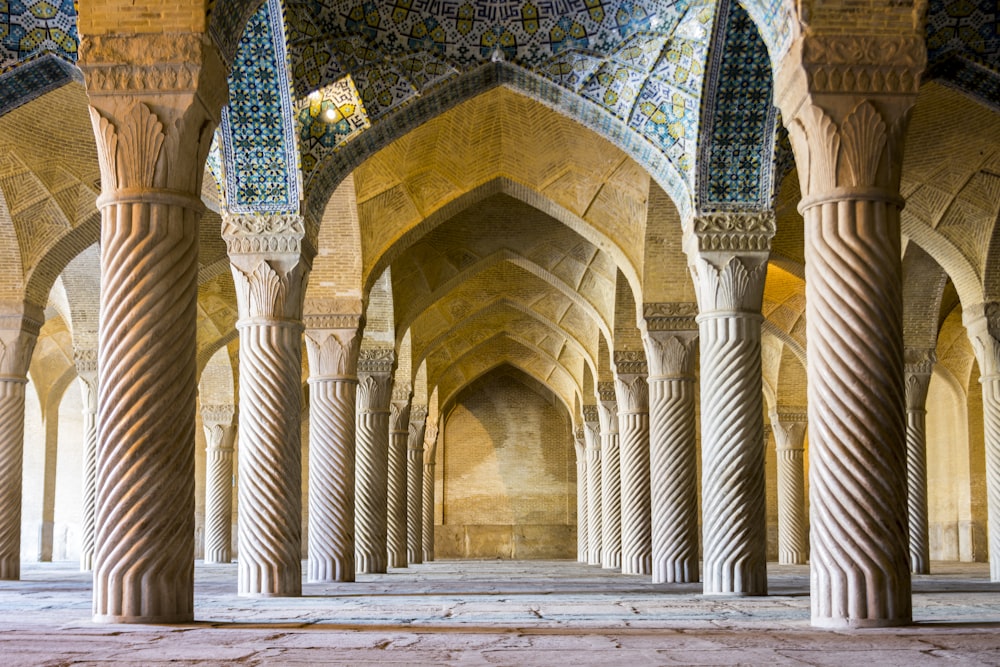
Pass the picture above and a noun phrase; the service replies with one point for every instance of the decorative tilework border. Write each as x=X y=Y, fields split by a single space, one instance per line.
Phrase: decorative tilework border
x=276 y=180
x=34 y=78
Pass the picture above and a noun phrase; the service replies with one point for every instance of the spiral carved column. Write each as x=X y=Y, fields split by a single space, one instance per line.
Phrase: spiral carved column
x=375 y=369
x=983 y=324
x=332 y=344
x=632 y=395
x=17 y=341
x=86 y=368
x=592 y=438
x=730 y=290
x=220 y=435
x=673 y=445
x=611 y=488
x=415 y=485
x=848 y=140
x=269 y=291
x=789 y=427
x=430 y=451
x=582 y=532
x=917 y=370
x=151 y=146
x=399 y=429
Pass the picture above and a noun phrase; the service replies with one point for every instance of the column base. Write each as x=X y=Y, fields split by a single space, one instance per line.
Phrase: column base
x=859 y=623
x=171 y=619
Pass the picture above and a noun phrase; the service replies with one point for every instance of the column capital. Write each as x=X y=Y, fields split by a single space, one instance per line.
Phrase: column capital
x=917 y=369
x=846 y=101
x=19 y=330
x=153 y=97
x=734 y=285
x=430 y=442
x=399 y=408
x=982 y=321
x=333 y=352
x=632 y=393
x=375 y=368
x=268 y=290
x=671 y=354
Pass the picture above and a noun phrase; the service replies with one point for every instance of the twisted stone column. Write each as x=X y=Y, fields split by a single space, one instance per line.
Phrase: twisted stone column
x=371 y=485
x=669 y=342
x=592 y=438
x=917 y=370
x=789 y=426
x=399 y=428
x=332 y=344
x=415 y=484
x=18 y=333
x=846 y=100
x=582 y=532
x=632 y=395
x=220 y=435
x=155 y=100
x=611 y=487
x=270 y=266
x=983 y=324
x=729 y=271
x=430 y=452
x=86 y=369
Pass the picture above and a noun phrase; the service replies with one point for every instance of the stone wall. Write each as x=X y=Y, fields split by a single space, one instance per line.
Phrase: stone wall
x=509 y=475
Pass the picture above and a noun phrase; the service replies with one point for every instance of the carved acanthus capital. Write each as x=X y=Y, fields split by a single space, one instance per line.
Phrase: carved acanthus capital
x=333 y=353
x=265 y=234
x=846 y=101
x=156 y=100
x=632 y=392
x=982 y=322
x=219 y=414
x=735 y=286
x=430 y=442
x=676 y=316
x=671 y=354
x=399 y=407
x=18 y=335
x=736 y=231
x=374 y=391
x=418 y=420
x=608 y=411
x=919 y=364
x=789 y=426
x=268 y=290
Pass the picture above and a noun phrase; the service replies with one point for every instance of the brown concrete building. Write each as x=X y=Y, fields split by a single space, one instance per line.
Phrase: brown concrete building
x=668 y=288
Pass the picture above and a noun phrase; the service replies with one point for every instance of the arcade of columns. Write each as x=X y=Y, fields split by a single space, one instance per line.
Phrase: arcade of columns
x=155 y=101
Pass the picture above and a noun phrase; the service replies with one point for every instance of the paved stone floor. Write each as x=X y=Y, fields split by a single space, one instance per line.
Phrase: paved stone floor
x=497 y=613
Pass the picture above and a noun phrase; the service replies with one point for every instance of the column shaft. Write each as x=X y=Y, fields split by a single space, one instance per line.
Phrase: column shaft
x=582 y=529
x=991 y=423
x=220 y=434
x=592 y=436
x=633 y=429
x=793 y=531
x=430 y=451
x=270 y=461
x=371 y=483
x=399 y=422
x=86 y=366
x=415 y=485
x=860 y=573
x=732 y=454
x=144 y=553
x=611 y=488
x=11 y=465
x=917 y=370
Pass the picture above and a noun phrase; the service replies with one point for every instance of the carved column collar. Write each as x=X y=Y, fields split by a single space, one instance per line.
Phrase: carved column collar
x=263 y=233
x=218 y=414
x=732 y=231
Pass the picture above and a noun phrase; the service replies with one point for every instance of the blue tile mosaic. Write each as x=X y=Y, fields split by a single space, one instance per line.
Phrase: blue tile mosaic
x=736 y=147
x=258 y=135
x=31 y=28
x=963 y=47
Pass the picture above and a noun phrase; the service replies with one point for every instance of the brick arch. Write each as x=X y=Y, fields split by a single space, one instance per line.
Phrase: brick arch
x=55 y=258
x=923 y=287
x=523 y=193
x=216 y=383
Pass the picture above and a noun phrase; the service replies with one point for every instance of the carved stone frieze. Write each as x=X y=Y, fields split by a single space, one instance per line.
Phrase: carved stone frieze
x=606 y=392
x=263 y=233
x=85 y=360
x=377 y=360
x=676 y=316
x=630 y=362
x=217 y=414
x=590 y=415
x=734 y=231
x=863 y=63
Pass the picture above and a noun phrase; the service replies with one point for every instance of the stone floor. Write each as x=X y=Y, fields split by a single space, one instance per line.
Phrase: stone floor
x=497 y=613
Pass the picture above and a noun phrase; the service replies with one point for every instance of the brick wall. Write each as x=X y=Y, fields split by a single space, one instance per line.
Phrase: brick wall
x=509 y=475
